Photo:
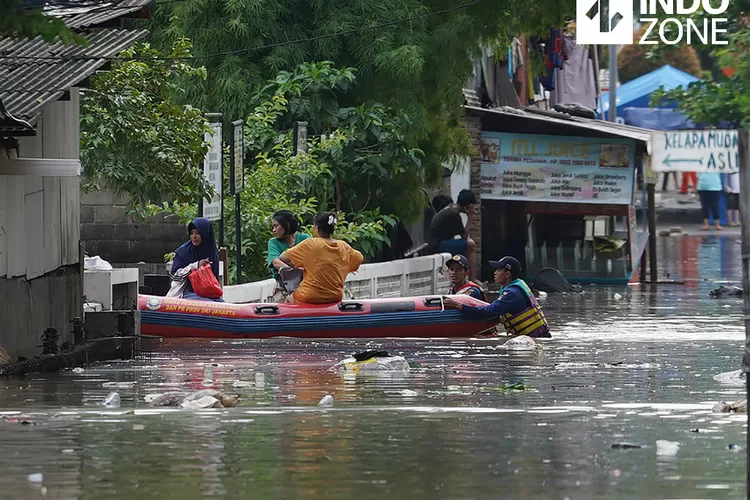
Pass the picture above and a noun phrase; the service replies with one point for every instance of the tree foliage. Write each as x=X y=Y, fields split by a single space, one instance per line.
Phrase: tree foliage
x=418 y=66
x=634 y=61
x=354 y=155
x=365 y=149
x=727 y=99
x=343 y=165
x=135 y=138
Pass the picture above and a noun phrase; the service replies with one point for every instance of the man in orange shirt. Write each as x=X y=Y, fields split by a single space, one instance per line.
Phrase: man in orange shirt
x=326 y=262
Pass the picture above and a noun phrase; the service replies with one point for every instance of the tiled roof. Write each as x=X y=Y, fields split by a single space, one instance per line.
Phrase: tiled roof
x=34 y=73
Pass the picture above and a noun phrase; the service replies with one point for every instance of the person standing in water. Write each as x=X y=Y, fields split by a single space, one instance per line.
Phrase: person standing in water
x=516 y=308
x=458 y=274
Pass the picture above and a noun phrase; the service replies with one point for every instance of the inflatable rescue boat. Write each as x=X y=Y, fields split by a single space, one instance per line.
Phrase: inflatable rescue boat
x=402 y=317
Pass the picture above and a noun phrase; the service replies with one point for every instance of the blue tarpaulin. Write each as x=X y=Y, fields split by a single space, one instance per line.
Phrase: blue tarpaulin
x=657 y=119
x=636 y=93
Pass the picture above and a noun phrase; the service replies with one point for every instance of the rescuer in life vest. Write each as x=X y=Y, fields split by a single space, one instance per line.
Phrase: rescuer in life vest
x=516 y=308
x=458 y=274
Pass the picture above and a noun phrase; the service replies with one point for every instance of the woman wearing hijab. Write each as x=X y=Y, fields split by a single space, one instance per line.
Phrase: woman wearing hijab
x=199 y=249
x=326 y=261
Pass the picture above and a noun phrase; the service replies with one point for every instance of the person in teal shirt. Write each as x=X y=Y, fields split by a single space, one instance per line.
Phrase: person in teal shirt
x=709 y=190
x=285 y=228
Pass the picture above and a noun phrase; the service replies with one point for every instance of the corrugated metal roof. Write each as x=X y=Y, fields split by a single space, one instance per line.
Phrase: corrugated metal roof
x=28 y=84
x=643 y=135
x=10 y=125
x=98 y=13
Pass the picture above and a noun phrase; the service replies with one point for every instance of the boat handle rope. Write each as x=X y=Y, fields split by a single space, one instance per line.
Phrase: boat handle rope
x=271 y=309
x=351 y=306
x=433 y=302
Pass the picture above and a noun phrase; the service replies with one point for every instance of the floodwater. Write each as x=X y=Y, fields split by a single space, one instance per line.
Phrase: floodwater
x=634 y=369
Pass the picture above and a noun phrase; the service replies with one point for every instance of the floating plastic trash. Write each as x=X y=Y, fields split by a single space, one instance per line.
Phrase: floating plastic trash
x=112 y=401
x=326 y=401
x=521 y=343
x=380 y=364
x=735 y=377
x=667 y=448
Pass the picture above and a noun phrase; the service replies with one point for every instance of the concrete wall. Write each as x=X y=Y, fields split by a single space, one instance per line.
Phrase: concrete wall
x=28 y=307
x=40 y=277
x=107 y=231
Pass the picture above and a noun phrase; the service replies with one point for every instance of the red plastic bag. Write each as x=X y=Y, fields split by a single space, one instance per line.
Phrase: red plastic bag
x=205 y=283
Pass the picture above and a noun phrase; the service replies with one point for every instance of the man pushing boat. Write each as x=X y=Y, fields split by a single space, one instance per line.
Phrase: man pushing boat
x=516 y=308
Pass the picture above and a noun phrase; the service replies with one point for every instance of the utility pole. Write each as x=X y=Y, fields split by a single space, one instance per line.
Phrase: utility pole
x=744 y=143
x=612 y=112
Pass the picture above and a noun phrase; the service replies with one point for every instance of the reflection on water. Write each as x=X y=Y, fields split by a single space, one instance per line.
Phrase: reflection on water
x=631 y=370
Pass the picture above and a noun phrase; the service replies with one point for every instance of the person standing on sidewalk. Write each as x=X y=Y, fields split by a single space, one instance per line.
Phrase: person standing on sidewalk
x=732 y=188
x=666 y=180
x=709 y=190
x=688 y=178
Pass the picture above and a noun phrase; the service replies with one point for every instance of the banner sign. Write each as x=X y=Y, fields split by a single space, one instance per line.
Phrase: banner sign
x=695 y=151
x=238 y=157
x=557 y=168
x=213 y=172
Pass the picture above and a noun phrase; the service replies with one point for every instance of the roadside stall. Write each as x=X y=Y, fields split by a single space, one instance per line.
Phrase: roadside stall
x=565 y=202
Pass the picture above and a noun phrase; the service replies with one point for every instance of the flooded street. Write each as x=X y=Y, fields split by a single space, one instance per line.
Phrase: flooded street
x=627 y=364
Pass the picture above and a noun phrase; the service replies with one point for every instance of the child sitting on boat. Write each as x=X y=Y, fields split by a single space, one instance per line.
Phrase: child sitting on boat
x=326 y=262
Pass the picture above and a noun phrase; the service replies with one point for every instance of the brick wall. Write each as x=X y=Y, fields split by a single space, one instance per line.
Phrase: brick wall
x=474 y=126
x=107 y=231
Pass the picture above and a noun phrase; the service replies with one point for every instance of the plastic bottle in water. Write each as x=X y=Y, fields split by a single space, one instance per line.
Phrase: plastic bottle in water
x=208 y=376
x=112 y=401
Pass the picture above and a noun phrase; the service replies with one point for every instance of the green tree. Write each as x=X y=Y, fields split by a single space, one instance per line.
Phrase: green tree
x=19 y=19
x=634 y=61
x=135 y=138
x=725 y=99
x=366 y=150
x=354 y=156
x=407 y=58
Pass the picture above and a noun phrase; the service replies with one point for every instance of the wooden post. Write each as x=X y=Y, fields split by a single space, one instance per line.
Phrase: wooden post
x=653 y=272
x=223 y=258
x=744 y=141
x=642 y=270
x=612 y=111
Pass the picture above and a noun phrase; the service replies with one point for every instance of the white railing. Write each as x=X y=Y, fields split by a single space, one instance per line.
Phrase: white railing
x=398 y=278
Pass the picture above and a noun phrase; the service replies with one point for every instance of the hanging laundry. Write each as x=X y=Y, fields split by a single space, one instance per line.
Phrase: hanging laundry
x=510 y=62
x=575 y=83
x=517 y=55
x=553 y=48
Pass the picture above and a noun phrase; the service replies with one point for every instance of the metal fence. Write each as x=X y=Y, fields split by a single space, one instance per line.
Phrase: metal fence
x=398 y=278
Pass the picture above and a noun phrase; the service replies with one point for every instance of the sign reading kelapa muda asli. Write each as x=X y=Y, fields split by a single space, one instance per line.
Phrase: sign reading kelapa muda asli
x=695 y=151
